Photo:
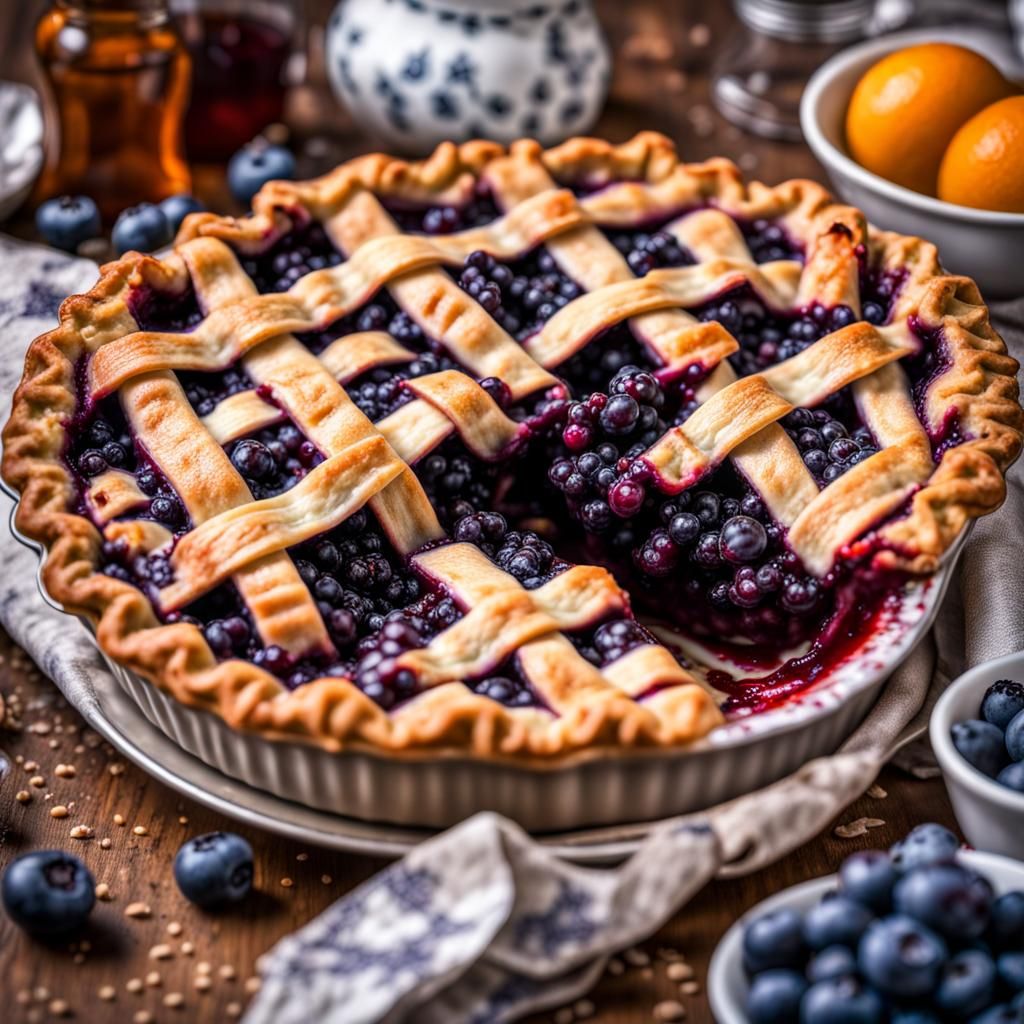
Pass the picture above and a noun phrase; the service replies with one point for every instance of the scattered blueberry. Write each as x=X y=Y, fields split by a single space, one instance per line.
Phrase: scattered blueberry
x=774 y=997
x=868 y=878
x=841 y=1001
x=774 y=940
x=924 y=845
x=256 y=164
x=142 y=228
x=967 y=985
x=177 y=208
x=953 y=901
x=901 y=957
x=48 y=892
x=838 y=921
x=214 y=869
x=69 y=221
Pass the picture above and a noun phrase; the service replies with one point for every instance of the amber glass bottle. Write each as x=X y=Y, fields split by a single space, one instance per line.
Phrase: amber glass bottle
x=119 y=81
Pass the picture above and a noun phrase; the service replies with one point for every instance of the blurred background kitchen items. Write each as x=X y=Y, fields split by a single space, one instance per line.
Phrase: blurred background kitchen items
x=413 y=74
x=21 y=144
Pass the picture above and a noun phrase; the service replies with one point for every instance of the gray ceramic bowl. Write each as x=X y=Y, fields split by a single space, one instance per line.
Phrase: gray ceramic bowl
x=982 y=244
x=991 y=815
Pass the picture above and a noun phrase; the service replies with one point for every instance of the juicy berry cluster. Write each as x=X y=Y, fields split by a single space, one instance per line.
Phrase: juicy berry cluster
x=105 y=444
x=455 y=483
x=507 y=687
x=994 y=744
x=205 y=391
x=769 y=241
x=611 y=640
x=519 y=296
x=911 y=935
x=296 y=254
x=444 y=220
x=605 y=433
x=827 y=447
x=155 y=310
x=521 y=553
x=646 y=251
x=379 y=392
x=274 y=460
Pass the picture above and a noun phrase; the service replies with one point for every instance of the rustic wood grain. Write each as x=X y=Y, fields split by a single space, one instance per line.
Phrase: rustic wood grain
x=664 y=50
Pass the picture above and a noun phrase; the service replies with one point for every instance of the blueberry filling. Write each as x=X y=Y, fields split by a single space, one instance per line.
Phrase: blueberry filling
x=711 y=558
x=445 y=220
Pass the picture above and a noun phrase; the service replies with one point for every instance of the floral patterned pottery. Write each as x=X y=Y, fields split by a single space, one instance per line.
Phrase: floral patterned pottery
x=417 y=72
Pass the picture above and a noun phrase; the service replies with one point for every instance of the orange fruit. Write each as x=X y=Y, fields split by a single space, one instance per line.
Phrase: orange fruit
x=984 y=164
x=907 y=107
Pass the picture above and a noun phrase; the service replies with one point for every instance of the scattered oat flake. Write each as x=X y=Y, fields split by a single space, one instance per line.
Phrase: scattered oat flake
x=59 y=1008
x=153 y=979
x=107 y=993
x=302 y=856
x=174 y=929
x=679 y=972
x=106 y=843
x=203 y=983
x=227 y=972
x=38 y=781
x=204 y=967
x=286 y=883
x=82 y=832
x=65 y=771
x=30 y=766
x=700 y=35
x=252 y=985
x=690 y=988
x=118 y=819
x=669 y=1010
x=24 y=997
x=116 y=768
x=326 y=879
x=161 y=952
x=187 y=948
x=647 y=46
x=137 y=910
x=636 y=957
x=134 y=985
x=173 y=1000
x=23 y=796
x=183 y=820
x=857 y=828
x=40 y=993
x=141 y=830
x=876 y=792
x=40 y=728
x=58 y=811
x=233 y=1009
x=143 y=1017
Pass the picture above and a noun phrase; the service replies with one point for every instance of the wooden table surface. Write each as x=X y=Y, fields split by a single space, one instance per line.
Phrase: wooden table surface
x=177 y=963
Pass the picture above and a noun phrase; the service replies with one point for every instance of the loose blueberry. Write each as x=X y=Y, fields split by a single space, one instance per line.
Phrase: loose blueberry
x=1015 y=737
x=142 y=228
x=254 y=165
x=953 y=901
x=69 y=221
x=48 y=892
x=742 y=539
x=774 y=997
x=1011 y=970
x=774 y=940
x=901 y=957
x=836 y=922
x=981 y=744
x=833 y=962
x=926 y=844
x=868 y=878
x=177 y=208
x=1006 y=924
x=1012 y=776
x=967 y=984
x=841 y=1001
x=214 y=869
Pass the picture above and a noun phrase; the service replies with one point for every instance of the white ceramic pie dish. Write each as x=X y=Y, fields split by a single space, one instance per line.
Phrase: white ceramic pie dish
x=592 y=790
x=982 y=243
x=727 y=981
x=992 y=816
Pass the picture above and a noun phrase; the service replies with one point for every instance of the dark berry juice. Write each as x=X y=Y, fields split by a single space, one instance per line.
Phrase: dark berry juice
x=238 y=77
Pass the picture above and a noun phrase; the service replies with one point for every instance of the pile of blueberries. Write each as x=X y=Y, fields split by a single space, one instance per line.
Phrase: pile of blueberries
x=51 y=893
x=909 y=937
x=68 y=221
x=994 y=743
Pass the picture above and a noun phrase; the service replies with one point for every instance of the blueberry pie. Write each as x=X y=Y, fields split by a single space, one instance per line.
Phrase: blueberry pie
x=430 y=455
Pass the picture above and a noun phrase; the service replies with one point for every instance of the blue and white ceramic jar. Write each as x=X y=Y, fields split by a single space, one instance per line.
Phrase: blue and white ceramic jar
x=417 y=72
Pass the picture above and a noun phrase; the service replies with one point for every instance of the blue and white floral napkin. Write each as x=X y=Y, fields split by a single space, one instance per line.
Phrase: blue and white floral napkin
x=480 y=924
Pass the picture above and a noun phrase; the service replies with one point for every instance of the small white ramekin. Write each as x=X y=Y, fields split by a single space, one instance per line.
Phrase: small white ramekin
x=727 y=980
x=982 y=244
x=991 y=815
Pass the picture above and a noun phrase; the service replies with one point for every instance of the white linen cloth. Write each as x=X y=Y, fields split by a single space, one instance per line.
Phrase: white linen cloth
x=481 y=924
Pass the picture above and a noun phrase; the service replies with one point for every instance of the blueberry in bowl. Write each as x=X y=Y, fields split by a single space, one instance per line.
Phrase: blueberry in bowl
x=919 y=934
x=977 y=732
x=48 y=892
